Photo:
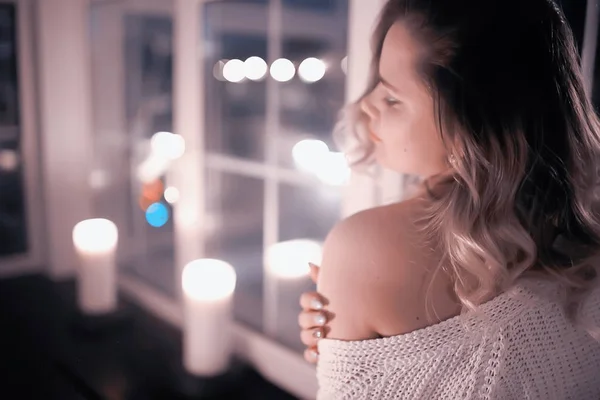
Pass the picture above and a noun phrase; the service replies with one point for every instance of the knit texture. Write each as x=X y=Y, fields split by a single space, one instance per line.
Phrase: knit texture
x=520 y=345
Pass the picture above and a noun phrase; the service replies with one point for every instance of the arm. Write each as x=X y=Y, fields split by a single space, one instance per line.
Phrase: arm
x=353 y=276
x=374 y=274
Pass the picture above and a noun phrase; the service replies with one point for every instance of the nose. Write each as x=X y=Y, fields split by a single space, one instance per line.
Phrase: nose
x=372 y=115
x=368 y=108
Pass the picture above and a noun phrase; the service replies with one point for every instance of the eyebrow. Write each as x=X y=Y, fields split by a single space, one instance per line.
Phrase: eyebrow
x=388 y=84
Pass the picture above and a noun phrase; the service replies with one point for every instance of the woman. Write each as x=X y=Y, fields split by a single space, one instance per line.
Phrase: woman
x=484 y=284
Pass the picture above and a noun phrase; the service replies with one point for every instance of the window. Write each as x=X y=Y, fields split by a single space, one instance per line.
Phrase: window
x=312 y=5
x=132 y=73
x=262 y=106
x=263 y=184
x=13 y=222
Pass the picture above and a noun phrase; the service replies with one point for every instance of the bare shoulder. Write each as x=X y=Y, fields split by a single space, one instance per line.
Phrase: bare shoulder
x=377 y=225
x=376 y=269
x=376 y=238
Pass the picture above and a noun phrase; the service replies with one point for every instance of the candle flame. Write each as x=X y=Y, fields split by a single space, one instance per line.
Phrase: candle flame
x=96 y=235
x=208 y=280
x=290 y=259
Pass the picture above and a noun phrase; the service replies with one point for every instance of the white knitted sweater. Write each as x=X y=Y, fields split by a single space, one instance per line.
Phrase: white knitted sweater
x=521 y=346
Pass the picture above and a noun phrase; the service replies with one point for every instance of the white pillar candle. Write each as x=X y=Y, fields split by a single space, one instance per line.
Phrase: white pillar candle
x=95 y=241
x=286 y=277
x=208 y=287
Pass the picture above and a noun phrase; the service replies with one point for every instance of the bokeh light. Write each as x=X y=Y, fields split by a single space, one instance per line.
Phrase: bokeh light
x=313 y=156
x=171 y=195
x=312 y=70
x=9 y=160
x=152 y=168
x=290 y=259
x=333 y=169
x=208 y=280
x=234 y=70
x=98 y=179
x=307 y=153
x=282 y=70
x=218 y=70
x=145 y=202
x=255 y=68
x=153 y=190
x=157 y=215
x=344 y=64
x=97 y=235
x=167 y=145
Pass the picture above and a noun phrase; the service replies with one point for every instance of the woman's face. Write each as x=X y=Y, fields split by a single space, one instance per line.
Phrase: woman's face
x=400 y=112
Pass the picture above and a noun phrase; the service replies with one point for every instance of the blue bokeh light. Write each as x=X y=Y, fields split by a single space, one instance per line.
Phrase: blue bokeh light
x=157 y=215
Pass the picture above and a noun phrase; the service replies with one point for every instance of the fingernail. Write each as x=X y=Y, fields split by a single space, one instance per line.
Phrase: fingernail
x=313 y=354
x=320 y=319
x=316 y=304
x=318 y=334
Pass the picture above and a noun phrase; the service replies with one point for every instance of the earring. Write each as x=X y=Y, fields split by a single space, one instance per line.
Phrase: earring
x=452 y=160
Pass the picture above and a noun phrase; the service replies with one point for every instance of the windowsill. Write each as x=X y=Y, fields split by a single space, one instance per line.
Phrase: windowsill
x=280 y=365
x=137 y=360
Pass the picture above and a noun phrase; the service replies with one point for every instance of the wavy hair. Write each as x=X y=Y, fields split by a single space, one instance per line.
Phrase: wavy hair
x=512 y=111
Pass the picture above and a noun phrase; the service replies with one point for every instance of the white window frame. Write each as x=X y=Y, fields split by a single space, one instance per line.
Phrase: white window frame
x=32 y=260
x=277 y=363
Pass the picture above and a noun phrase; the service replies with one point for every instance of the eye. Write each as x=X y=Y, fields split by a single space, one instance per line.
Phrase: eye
x=391 y=101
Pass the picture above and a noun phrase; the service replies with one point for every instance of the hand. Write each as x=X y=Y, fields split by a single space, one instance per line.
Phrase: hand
x=312 y=319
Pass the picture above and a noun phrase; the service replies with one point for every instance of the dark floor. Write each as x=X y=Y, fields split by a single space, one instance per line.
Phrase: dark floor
x=45 y=355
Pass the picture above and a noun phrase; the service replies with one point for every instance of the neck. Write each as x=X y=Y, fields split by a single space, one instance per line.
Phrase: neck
x=436 y=186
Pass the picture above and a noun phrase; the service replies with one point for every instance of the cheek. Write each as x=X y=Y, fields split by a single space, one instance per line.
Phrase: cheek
x=397 y=132
x=410 y=143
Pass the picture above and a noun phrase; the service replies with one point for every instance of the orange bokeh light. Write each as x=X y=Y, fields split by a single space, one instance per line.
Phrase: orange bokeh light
x=144 y=203
x=152 y=192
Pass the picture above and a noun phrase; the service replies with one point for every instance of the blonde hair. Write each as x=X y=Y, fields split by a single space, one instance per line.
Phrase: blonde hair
x=511 y=108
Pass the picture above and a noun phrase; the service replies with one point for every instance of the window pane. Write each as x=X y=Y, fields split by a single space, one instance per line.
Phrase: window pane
x=132 y=77
x=9 y=105
x=235 y=105
x=13 y=222
x=148 y=91
x=310 y=102
x=240 y=101
x=235 y=234
x=312 y=5
x=314 y=40
x=304 y=213
x=308 y=212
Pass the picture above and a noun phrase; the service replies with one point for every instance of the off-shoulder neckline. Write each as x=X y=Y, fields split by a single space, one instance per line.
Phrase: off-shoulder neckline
x=525 y=289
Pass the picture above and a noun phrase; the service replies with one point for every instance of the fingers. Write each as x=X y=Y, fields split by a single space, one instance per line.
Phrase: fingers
x=311 y=355
x=314 y=272
x=312 y=319
x=310 y=337
x=312 y=301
